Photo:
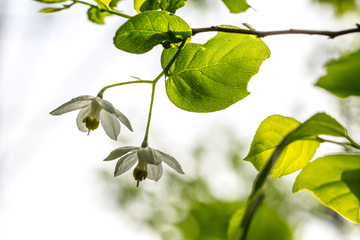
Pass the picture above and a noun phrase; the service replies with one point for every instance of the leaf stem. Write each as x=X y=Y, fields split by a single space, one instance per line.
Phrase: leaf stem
x=164 y=72
x=352 y=142
x=105 y=10
x=330 y=34
x=100 y=94
x=257 y=194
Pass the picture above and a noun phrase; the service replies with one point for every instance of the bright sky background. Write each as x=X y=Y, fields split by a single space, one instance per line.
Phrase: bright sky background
x=49 y=183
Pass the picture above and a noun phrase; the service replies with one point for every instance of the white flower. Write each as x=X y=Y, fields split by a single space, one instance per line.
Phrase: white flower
x=95 y=110
x=149 y=162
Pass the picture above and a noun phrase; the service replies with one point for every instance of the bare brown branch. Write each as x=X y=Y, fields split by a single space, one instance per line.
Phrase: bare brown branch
x=330 y=34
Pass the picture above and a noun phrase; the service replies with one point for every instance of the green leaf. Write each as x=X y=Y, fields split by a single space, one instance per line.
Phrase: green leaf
x=114 y=3
x=150 y=5
x=236 y=6
x=146 y=30
x=266 y=225
x=343 y=76
x=138 y=4
x=334 y=180
x=51 y=1
x=51 y=10
x=319 y=124
x=97 y=16
x=213 y=76
x=269 y=135
x=172 y=5
x=103 y=4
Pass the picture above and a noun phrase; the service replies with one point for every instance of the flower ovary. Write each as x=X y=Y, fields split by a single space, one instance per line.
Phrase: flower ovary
x=139 y=175
x=91 y=123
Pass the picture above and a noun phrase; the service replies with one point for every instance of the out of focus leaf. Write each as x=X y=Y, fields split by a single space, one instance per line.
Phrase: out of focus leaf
x=97 y=16
x=334 y=180
x=51 y=10
x=340 y=6
x=266 y=225
x=51 y=1
x=113 y=3
x=103 y=4
x=236 y=6
x=343 y=76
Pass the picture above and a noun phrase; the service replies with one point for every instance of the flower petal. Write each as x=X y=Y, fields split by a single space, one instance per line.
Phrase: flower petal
x=80 y=117
x=119 y=152
x=110 y=124
x=149 y=155
x=73 y=104
x=123 y=119
x=125 y=163
x=154 y=172
x=169 y=160
x=106 y=105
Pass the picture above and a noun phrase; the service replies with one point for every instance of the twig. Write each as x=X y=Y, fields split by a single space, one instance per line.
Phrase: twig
x=330 y=34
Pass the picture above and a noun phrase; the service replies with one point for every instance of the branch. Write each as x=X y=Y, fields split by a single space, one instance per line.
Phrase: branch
x=330 y=34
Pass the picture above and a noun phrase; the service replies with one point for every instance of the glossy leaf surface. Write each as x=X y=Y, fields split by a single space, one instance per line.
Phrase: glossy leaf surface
x=146 y=30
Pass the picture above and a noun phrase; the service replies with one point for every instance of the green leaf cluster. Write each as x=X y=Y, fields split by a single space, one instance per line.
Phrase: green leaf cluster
x=146 y=30
x=212 y=76
x=333 y=179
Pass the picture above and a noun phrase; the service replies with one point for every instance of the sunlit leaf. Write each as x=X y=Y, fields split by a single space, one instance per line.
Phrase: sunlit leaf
x=172 y=5
x=146 y=30
x=334 y=180
x=236 y=6
x=51 y=1
x=269 y=135
x=213 y=76
x=138 y=4
x=319 y=124
x=343 y=76
x=103 y=4
x=266 y=225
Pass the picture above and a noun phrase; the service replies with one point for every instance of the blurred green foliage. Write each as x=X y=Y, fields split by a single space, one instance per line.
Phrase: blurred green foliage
x=341 y=6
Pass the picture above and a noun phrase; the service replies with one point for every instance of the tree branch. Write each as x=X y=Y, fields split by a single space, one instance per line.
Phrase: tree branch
x=330 y=34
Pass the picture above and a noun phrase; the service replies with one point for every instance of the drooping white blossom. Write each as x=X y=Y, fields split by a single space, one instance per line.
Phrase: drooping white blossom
x=148 y=162
x=93 y=111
